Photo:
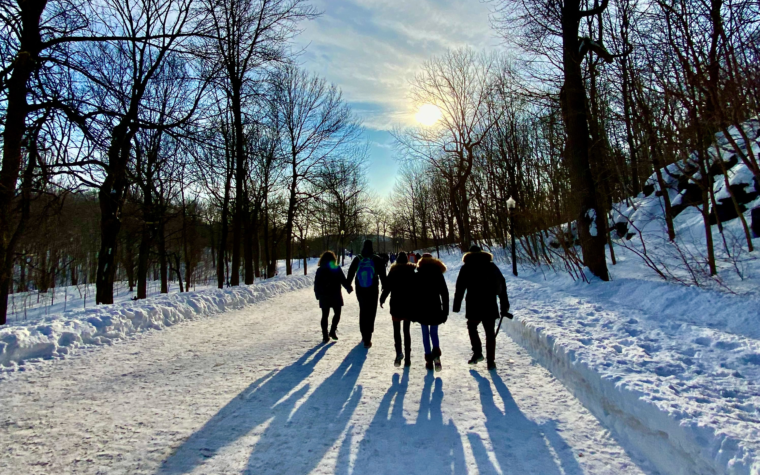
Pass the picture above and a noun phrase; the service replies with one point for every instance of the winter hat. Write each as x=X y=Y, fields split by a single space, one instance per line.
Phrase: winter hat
x=402 y=259
x=367 y=248
x=427 y=254
x=475 y=249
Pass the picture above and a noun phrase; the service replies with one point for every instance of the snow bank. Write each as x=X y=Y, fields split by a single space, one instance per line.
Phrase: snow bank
x=667 y=434
x=59 y=335
x=672 y=371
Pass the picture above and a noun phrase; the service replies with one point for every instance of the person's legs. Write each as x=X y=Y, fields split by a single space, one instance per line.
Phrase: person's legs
x=472 y=328
x=362 y=314
x=325 y=314
x=397 y=335
x=426 y=338
x=336 y=319
x=371 y=313
x=489 y=326
x=434 y=336
x=407 y=339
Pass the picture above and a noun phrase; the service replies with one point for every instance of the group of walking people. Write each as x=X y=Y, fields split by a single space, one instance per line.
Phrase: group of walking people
x=418 y=294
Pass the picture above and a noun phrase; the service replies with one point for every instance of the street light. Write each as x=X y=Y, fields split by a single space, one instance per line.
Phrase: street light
x=511 y=205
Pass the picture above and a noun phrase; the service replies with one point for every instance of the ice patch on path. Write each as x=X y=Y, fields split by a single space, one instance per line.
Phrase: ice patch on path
x=59 y=335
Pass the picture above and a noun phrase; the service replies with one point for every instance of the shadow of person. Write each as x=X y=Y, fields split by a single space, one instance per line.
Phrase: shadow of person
x=519 y=444
x=392 y=445
x=295 y=442
x=249 y=409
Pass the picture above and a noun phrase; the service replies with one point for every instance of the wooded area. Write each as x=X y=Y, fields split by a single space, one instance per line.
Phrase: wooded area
x=179 y=138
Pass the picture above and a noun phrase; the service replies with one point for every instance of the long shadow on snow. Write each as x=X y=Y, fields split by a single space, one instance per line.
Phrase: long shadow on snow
x=295 y=444
x=520 y=445
x=393 y=445
x=249 y=409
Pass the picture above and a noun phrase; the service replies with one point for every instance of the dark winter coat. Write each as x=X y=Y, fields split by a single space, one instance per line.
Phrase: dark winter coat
x=483 y=282
x=400 y=284
x=380 y=274
x=327 y=285
x=432 y=292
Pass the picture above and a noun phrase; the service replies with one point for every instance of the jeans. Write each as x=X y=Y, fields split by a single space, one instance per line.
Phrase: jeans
x=429 y=332
x=367 y=312
x=489 y=325
x=335 y=320
x=407 y=337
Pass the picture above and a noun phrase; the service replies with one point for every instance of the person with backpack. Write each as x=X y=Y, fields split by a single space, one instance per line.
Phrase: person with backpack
x=327 y=285
x=432 y=306
x=400 y=285
x=483 y=282
x=368 y=271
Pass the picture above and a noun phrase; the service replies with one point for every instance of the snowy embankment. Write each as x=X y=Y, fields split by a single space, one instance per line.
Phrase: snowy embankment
x=647 y=359
x=58 y=335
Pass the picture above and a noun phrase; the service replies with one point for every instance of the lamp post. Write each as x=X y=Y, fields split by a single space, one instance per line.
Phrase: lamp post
x=511 y=205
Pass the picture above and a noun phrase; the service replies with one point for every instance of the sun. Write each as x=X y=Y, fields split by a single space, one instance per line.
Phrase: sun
x=428 y=115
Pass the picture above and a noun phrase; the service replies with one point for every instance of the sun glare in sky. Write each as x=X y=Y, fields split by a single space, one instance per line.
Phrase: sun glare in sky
x=428 y=115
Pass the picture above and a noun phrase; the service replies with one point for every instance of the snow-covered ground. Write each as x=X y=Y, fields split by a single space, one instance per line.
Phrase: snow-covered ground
x=253 y=391
x=57 y=335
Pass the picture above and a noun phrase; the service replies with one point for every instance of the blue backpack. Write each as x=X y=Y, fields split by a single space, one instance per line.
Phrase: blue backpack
x=365 y=274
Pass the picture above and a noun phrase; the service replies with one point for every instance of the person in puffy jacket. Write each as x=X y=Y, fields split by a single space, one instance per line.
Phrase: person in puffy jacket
x=432 y=306
x=327 y=284
x=483 y=282
x=400 y=285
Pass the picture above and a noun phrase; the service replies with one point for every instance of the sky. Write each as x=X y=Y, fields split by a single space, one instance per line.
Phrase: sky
x=372 y=49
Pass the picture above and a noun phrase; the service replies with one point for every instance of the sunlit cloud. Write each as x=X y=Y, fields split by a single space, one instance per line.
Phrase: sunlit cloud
x=372 y=50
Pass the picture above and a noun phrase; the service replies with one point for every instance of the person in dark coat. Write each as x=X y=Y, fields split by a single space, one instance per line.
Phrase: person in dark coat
x=368 y=272
x=327 y=285
x=433 y=306
x=400 y=285
x=483 y=282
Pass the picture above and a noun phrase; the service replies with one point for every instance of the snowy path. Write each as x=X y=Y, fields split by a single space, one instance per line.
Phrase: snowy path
x=252 y=391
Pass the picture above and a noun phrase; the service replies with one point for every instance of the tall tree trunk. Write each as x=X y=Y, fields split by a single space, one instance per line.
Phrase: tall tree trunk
x=17 y=109
x=146 y=237
x=256 y=245
x=111 y=196
x=590 y=217
x=237 y=216
x=248 y=248
x=162 y=257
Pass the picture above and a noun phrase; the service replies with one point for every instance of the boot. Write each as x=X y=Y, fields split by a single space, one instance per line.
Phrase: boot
x=397 y=361
x=408 y=358
x=437 y=359
x=476 y=358
x=334 y=334
x=491 y=365
x=325 y=338
x=428 y=361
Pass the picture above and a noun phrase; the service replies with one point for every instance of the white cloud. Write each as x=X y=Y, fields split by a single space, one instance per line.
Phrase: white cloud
x=373 y=48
